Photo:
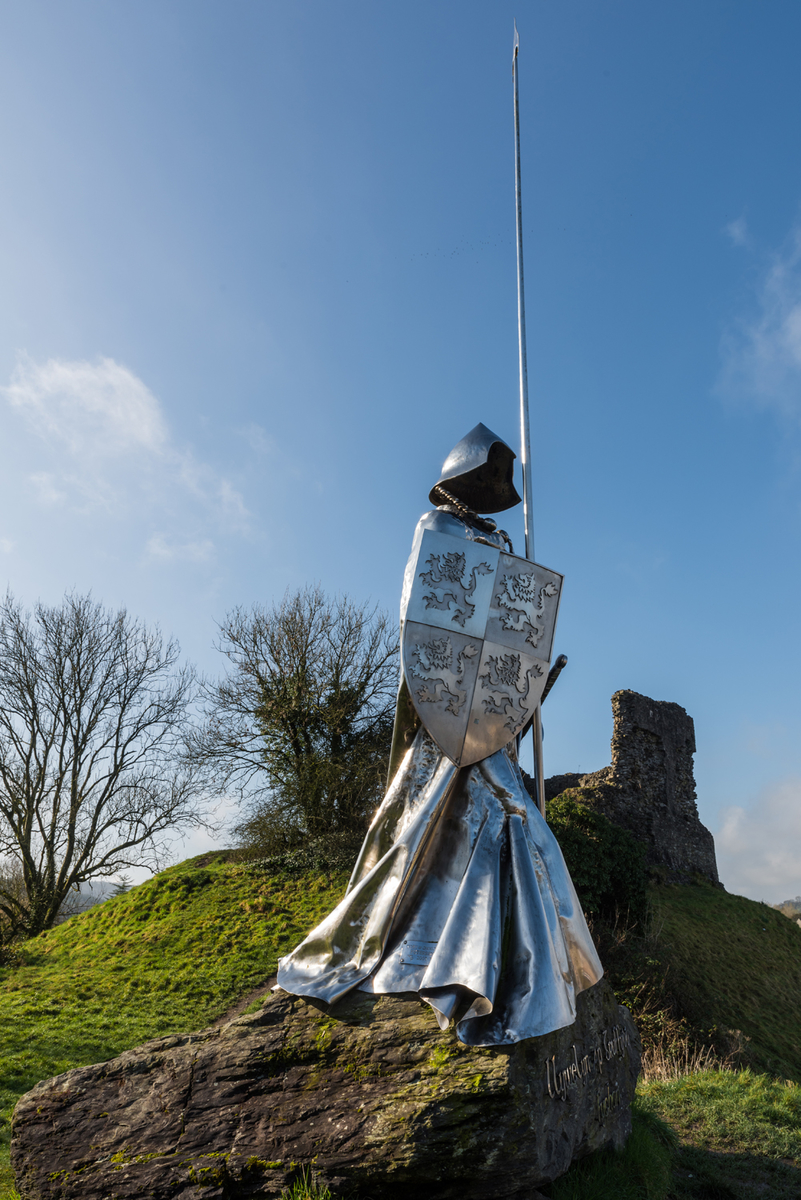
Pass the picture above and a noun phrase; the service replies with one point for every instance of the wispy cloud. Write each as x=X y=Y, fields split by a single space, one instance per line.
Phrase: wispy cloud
x=762 y=353
x=738 y=232
x=160 y=546
x=759 y=847
x=46 y=489
x=258 y=438
x=100 y=408
x=110 y=446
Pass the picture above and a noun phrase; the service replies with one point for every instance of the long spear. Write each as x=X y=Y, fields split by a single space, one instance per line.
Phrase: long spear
x=525 y=431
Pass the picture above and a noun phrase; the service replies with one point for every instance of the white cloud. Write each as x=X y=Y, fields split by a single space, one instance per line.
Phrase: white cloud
x=231 y=501
x=738 y=232
x=101 y=408
x=83 y=490
x=6 y=545
x=107 y=445
x=258 y=438
x=759 y=847
x=762 y=355
x=159 y=546
x=47 y=492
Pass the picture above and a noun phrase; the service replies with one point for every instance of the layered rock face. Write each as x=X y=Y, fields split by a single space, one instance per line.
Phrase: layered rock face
x=370 y=1095
x=650 y=789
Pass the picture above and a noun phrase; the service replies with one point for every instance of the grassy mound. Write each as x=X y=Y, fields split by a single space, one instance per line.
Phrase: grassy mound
x=738 y=1134
x=712 y=1135
x=734 y=967
x=169 y=956
x=175 y=953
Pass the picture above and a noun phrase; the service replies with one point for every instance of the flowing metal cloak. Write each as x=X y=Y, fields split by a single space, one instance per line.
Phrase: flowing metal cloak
x=460 y=893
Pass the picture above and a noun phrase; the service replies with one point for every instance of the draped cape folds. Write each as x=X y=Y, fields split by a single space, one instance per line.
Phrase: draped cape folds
x=460 y=893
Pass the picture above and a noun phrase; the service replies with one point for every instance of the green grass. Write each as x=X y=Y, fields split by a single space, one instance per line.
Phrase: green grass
x=642 y=1170
x=739 y=1134
x=305 y=1188
x=715 y=1135
x=731 y=1111
x=169 y=956
x=173 y=954
x=734 y=964
x=706 y=965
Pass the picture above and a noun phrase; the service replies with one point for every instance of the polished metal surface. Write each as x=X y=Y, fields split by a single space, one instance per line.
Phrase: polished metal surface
x=477 y=642
x=462 y=895
x=460 y=891
x=479 y=471
x=525 y=422
x=525 y=426
x=538 y=760
x=453 y=583
x=554 y=673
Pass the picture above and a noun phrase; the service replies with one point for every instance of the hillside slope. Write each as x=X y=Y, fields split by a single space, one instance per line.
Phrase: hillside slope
x=733 y=964
x=175 y=953
x=169 y=956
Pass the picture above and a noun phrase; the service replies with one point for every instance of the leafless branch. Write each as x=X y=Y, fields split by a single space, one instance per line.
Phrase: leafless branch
x=93 y=719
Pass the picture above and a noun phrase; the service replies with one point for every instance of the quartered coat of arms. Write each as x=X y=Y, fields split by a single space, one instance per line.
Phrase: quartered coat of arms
x=477 y=643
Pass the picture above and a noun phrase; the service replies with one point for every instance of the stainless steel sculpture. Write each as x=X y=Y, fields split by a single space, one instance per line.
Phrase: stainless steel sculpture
x=478 y=472
x=460 y=892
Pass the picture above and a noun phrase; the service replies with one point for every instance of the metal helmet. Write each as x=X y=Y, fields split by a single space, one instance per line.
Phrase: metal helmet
x=479 y=472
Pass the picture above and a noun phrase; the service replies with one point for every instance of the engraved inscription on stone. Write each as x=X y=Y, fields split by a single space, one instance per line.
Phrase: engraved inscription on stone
x=561 y=1080
x=418 y=954
x=443 y=670
x=447 y=589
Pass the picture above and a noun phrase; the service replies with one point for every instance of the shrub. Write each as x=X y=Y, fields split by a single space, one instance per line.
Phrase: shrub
x=330 y=855
x=606 y=863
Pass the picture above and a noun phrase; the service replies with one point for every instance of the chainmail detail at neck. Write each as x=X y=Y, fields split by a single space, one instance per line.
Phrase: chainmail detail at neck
x=470 y=517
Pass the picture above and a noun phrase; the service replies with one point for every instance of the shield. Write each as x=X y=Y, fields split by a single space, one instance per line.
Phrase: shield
x=477 y=643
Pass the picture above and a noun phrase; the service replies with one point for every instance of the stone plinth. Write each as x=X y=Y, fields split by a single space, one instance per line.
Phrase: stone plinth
x=371 y=1095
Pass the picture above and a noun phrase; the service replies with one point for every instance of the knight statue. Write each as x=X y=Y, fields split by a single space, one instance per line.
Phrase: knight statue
x=460 y=891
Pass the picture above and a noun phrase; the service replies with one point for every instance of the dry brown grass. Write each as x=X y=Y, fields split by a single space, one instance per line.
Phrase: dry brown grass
x=674 y=1060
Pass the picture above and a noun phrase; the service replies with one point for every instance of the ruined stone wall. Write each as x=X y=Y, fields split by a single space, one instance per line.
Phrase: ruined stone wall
x=649 y=788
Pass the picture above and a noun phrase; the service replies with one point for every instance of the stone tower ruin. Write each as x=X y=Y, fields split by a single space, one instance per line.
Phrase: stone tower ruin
x=649 y=788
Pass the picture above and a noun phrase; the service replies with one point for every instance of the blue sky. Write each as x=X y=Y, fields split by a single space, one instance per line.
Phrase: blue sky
x=257 y=276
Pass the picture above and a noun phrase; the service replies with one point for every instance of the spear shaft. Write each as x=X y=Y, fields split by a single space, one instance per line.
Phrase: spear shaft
x=525 y=433
x=525 y=429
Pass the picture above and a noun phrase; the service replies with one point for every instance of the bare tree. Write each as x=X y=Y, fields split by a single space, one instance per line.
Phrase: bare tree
x=11 y=884
x=93 y=712
x=301 y=726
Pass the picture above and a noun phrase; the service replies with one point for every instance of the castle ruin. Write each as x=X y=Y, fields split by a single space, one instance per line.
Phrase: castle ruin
x=649 y=788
